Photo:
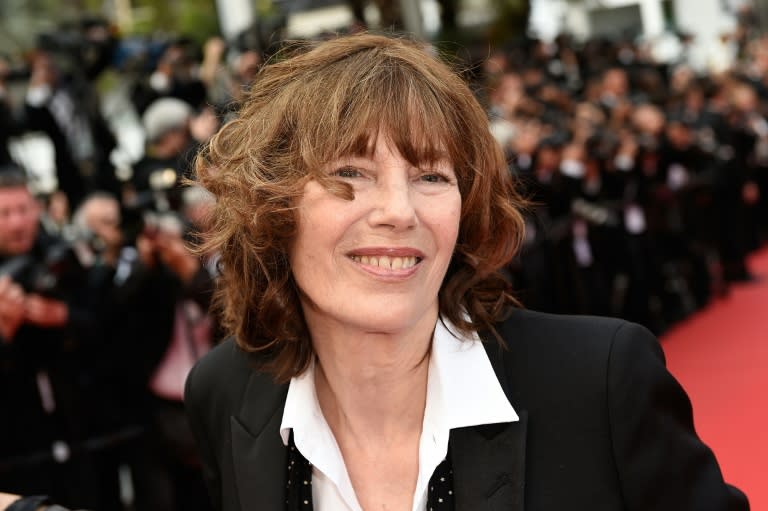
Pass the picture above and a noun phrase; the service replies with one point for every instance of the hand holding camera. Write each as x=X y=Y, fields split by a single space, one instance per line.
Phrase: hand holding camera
x=45 y=312
x=11 y=308
x=18 y=307
x=162 y=242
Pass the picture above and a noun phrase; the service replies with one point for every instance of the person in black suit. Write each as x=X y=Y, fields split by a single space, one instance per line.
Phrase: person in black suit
x=377 y=357
x=10 y=124
x=50 y=326
x=66 y=108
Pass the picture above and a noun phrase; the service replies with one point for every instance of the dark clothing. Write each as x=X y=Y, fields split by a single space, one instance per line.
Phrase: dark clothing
x=48 y=378
x=142 y=328
x=165 y=468
x=603 y=426
x=9 y=127
x=191 y=91
x=77 y=177
x=155 y=189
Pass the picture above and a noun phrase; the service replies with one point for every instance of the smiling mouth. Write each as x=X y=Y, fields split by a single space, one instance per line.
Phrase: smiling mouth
x=387 y=262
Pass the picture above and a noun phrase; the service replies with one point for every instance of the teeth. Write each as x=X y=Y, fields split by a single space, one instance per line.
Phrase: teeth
x=391 y=263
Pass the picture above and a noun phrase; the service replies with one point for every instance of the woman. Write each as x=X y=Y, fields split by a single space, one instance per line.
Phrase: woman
x=377 y=358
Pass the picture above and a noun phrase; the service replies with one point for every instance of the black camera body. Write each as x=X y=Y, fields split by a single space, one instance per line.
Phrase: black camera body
x=75 y=51
x=15 y=74
x=53 y=274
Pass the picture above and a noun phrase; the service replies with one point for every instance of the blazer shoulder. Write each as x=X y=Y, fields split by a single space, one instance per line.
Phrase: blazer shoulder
x=227 y=354
x=549 y=353
x=222 y=372
x=223 y=377
x=551 y=331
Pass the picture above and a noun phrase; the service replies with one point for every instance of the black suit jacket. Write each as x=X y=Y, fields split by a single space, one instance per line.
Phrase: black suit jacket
x=603 y=426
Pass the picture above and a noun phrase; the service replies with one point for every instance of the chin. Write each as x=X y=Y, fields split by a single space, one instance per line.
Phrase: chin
x=389 y=320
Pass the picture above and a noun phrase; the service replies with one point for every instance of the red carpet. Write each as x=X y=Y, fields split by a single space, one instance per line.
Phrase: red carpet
x=720 y=356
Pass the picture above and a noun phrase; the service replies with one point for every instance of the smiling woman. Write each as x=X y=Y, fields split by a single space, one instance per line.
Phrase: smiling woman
x=377 y=358
x=316 y=117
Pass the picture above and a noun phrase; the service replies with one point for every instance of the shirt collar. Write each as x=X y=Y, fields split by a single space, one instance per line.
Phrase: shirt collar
x=463 y=382
x=462 y=388
x=462 y=391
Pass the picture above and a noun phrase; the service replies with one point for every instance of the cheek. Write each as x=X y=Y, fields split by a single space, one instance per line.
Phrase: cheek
x=314 y=235
x=451 y=219
x=307 y=261
x=304 y=268
x=316 y=240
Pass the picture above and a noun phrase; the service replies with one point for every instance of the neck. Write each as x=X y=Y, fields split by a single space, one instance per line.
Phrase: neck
x=373 y=386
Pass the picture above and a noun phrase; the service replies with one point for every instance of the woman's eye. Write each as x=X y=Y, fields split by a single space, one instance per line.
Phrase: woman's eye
x=347 y=172
x=433 y=177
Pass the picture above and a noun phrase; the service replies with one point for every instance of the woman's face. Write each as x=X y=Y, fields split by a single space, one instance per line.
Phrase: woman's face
x=375 y=264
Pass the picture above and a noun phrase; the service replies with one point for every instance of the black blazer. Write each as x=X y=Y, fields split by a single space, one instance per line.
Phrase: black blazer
x=603 y=426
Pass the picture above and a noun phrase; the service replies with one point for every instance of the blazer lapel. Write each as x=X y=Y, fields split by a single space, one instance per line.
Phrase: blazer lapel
x=489 y=461
x=489 y=466
x=257 y=449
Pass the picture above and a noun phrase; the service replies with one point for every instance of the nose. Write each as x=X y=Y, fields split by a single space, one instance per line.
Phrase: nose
x=394 y=205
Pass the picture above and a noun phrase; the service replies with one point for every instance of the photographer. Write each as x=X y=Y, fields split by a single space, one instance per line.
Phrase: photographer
x=48 y=319
x=162 y=327
x=175 y=75
x=20 y=236
x=173 y=132
x=10 y=125
x=98 y=221
x=162 y=292
x=66 y=108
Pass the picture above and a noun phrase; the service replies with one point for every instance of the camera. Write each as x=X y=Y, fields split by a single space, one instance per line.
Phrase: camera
x=84 y=48
x=54 y=274
x=11 y=73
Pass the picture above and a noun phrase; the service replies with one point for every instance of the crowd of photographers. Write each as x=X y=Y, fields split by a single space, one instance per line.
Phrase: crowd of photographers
x=648 y=183
x=103 y=309
x=650 y=180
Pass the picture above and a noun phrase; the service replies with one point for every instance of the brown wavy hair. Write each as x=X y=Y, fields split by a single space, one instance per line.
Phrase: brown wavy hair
x=323 y=102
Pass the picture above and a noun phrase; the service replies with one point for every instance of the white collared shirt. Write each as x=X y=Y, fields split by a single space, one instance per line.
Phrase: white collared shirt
x=462 y=391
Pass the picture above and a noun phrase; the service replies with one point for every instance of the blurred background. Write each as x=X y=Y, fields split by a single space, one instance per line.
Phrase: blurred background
x=638 y=127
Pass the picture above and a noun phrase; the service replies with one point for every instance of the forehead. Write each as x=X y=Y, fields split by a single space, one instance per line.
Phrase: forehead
x=15 y=197
x=342 y=108
x=102 y=206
